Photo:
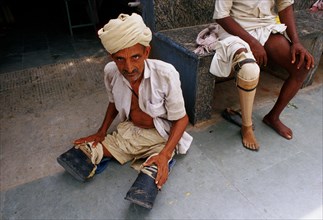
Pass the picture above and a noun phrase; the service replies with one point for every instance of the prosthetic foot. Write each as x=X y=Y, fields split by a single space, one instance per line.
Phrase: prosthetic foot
x=82 y=161
x=143 y=191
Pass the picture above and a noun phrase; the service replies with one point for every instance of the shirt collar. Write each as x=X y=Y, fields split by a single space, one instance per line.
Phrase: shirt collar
x=147 y=71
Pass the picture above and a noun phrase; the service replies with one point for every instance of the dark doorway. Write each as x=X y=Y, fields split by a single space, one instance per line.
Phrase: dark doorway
x=50 y=13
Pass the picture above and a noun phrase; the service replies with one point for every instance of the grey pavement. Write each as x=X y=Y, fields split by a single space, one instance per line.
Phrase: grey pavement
x=216 y=179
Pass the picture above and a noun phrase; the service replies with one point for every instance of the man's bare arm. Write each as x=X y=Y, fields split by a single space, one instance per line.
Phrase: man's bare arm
x=161 y=160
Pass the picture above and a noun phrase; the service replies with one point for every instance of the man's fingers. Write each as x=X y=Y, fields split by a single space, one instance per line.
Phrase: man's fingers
x=157 y=180
x=95 y=143
x=301 y=60
x=312 y=61
x=293 y=57
x=93 y=138
x=148 y=162
x=161 y=178
x=308 y=64
x=79 y=141
x=309 y=61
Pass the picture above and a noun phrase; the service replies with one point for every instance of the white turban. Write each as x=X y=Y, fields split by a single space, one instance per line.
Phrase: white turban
x=124 y=32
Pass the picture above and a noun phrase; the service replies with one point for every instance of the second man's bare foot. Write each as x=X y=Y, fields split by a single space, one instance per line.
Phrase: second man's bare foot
x=279 y=127
x=248 y=138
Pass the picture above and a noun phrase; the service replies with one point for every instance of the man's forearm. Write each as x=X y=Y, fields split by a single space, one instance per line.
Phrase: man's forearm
x=233 y=28
x=110 y=115
x=286 y=17
x=175 y=135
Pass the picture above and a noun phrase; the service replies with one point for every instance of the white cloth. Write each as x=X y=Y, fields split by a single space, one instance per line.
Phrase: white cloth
x=206 y=40
x=317 y=6
x=124 y=32
x=160 y=96
x=257 y=17
x=130 y=142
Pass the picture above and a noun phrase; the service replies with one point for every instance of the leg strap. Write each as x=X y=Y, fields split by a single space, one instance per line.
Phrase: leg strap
x=247 y=86
x=238 y=65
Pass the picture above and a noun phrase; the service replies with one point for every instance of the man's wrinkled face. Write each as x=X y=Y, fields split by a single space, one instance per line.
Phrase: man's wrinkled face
x=130 y=61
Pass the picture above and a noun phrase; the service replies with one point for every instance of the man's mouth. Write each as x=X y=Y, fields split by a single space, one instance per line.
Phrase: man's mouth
x=133 y=73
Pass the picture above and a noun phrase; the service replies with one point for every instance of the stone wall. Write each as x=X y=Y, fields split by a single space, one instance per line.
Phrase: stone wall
x=303 y=4
x=170 y=14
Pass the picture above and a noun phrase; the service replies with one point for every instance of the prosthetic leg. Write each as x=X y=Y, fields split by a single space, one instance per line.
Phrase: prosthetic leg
x=144 y=190
x=247 y=77
x=81 y=161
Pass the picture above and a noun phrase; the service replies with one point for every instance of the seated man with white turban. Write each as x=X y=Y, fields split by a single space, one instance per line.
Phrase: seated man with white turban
x=146 y=95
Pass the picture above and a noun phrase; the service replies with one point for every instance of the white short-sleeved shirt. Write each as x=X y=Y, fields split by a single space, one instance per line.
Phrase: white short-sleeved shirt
x=250 y=14
x=160 y=96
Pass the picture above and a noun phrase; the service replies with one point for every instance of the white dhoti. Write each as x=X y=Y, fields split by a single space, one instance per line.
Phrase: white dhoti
x=227 y=45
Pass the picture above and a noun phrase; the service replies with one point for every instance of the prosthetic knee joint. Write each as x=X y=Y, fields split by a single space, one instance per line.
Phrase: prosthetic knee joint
x=246 y=71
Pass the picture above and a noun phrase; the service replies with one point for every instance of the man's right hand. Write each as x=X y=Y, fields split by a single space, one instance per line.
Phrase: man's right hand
x=259 y=53
x=95 y=138
x=233 y=28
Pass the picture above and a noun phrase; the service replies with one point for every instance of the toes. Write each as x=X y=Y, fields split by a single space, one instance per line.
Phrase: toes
x=251 y=146
x=289 y=137
x=248 y=139
x=279 y=127
x=288 y=134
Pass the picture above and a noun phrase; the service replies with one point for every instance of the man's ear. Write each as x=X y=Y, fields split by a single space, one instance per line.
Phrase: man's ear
x=112 y=56
x=147 y=51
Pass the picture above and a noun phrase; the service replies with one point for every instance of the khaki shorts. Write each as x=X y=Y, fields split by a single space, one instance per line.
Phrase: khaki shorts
x=130 y=142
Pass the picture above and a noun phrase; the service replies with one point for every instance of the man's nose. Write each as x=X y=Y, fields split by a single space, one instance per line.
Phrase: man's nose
x=129 y=66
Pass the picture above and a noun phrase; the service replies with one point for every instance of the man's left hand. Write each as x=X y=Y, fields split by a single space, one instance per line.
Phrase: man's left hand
x=161 y=161
x=297 y=49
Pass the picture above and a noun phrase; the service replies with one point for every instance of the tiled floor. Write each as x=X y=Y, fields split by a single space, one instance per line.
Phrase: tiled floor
x=216 y=179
